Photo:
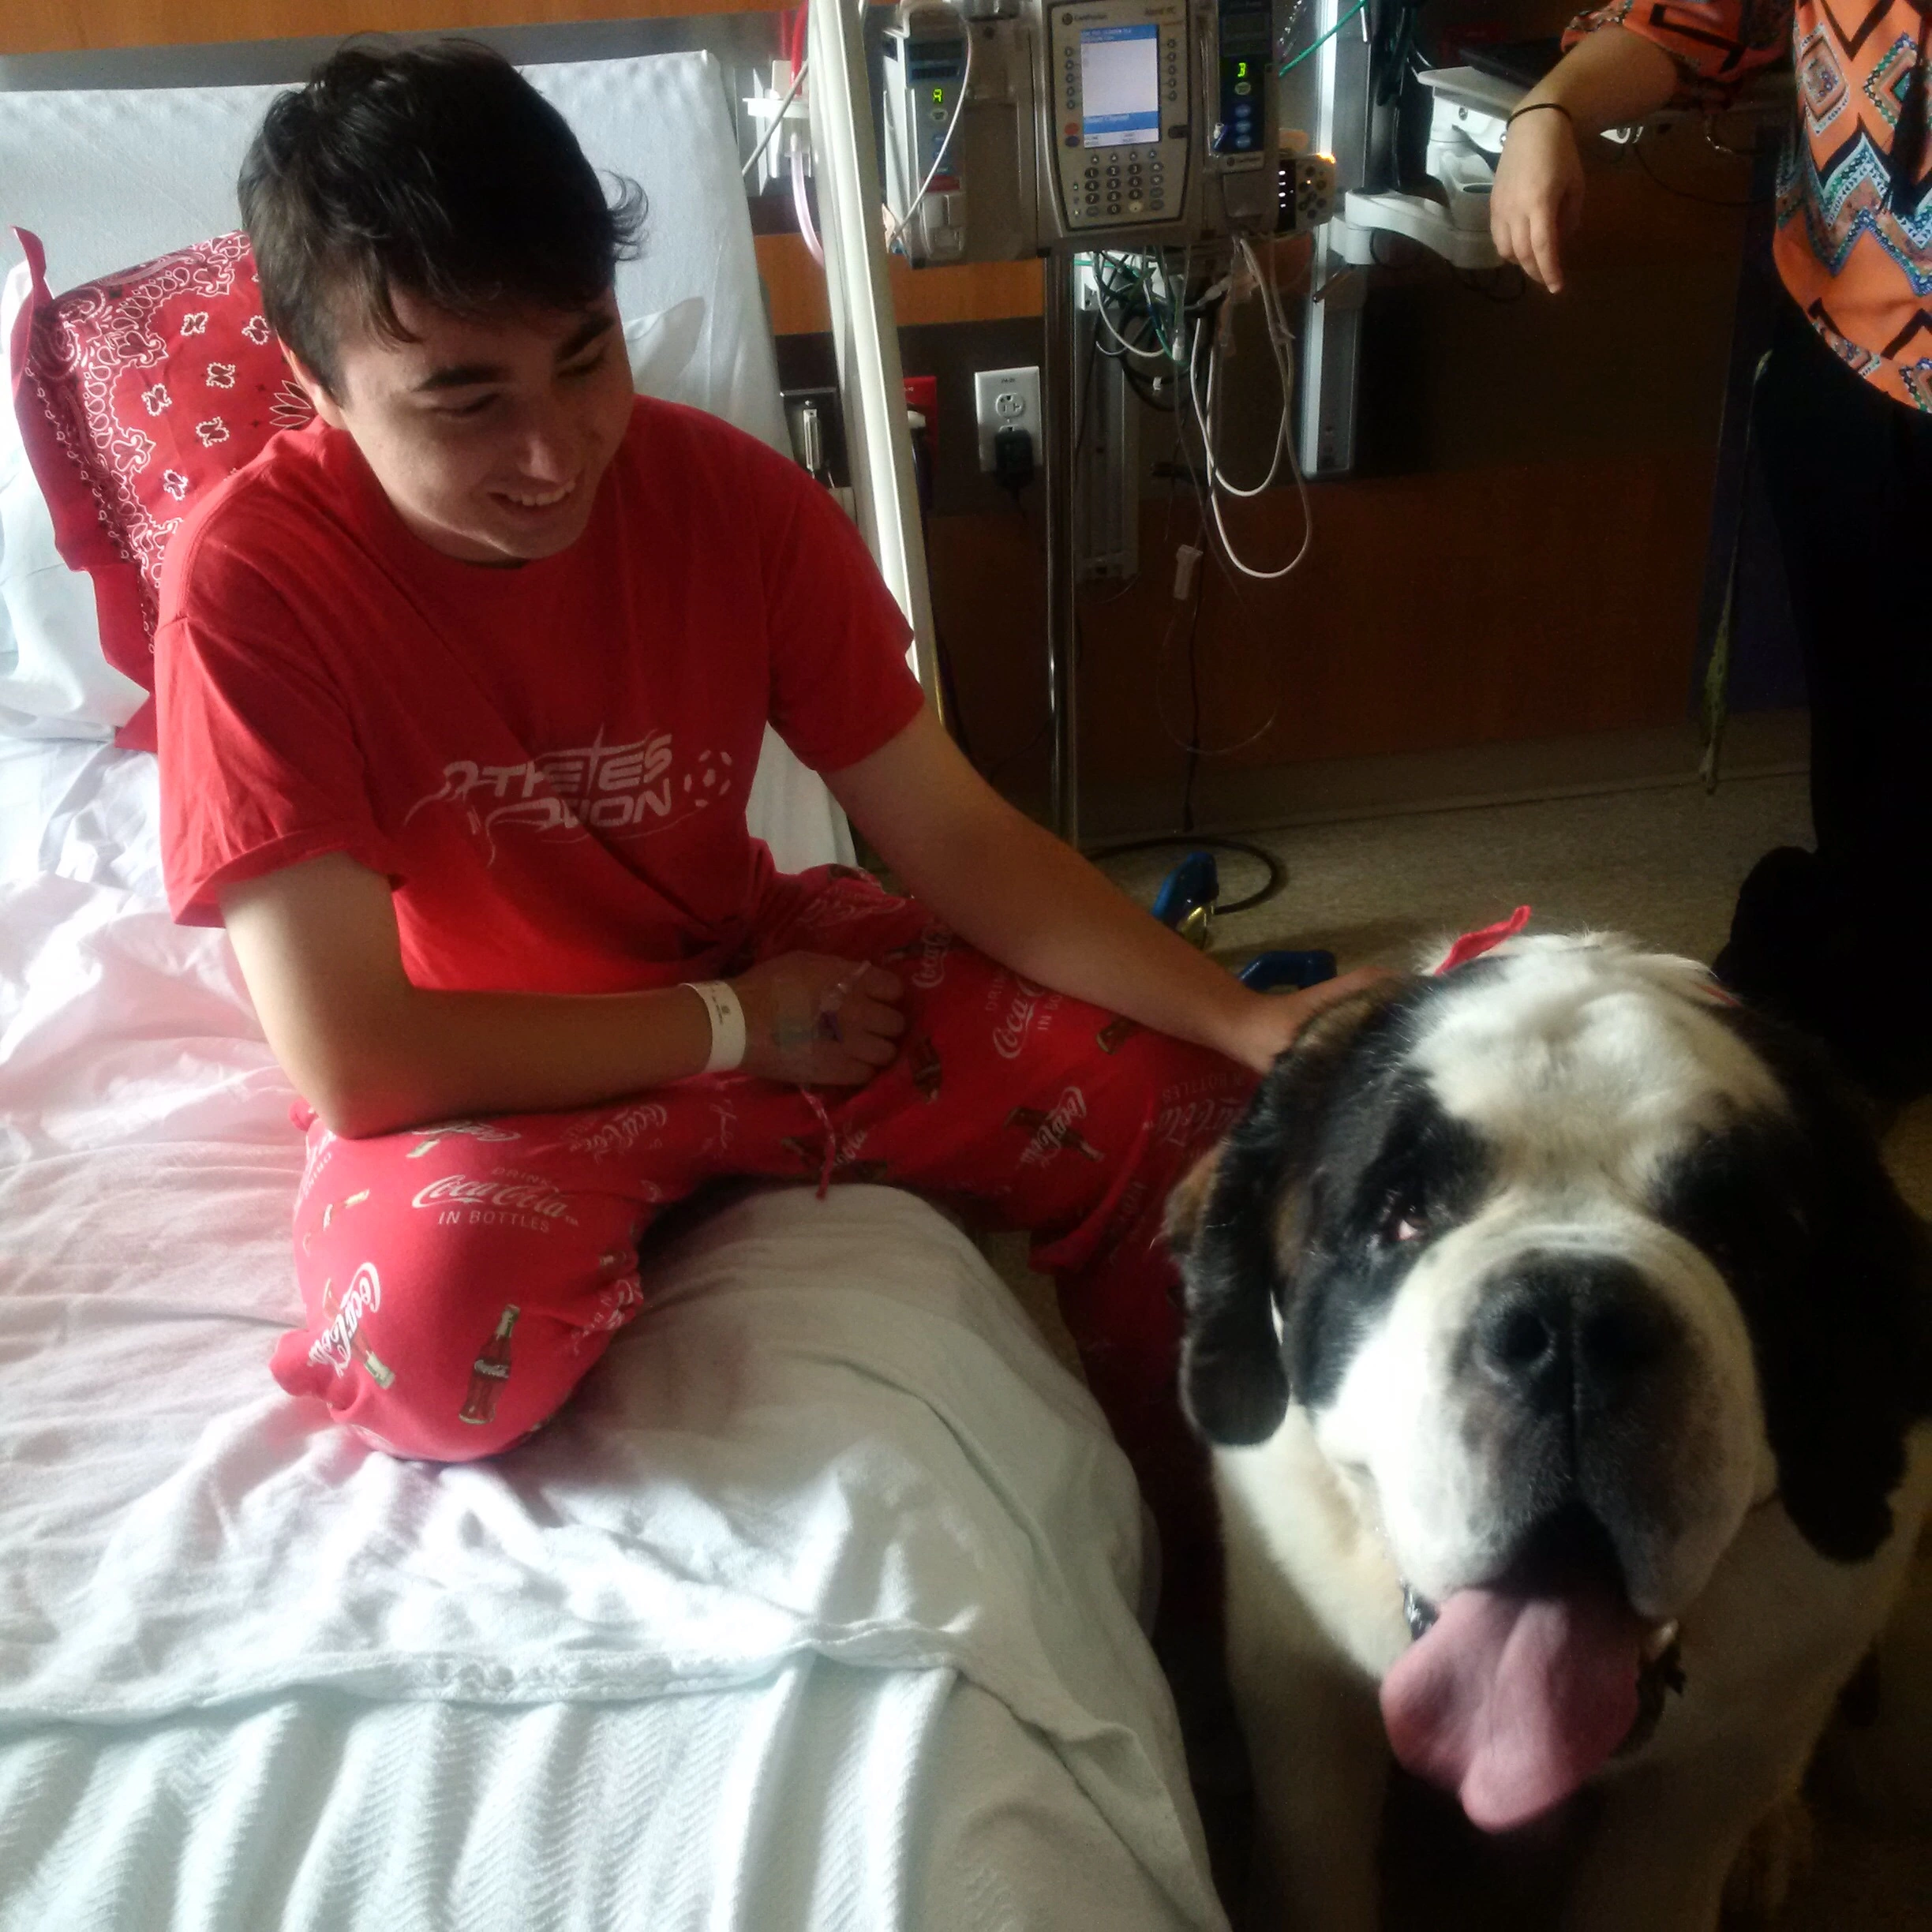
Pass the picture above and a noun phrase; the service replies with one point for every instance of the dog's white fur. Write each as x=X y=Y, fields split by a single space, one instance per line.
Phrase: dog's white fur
x=1324 y=1521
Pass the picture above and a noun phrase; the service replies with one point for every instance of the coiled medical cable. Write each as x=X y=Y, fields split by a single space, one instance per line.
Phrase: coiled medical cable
x=1217 y=484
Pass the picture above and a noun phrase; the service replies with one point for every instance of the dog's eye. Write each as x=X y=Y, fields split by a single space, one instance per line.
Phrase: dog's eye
x=1403 y=1219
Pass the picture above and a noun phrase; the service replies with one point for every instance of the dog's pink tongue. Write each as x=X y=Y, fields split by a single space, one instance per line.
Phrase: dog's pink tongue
x=1512 y=1701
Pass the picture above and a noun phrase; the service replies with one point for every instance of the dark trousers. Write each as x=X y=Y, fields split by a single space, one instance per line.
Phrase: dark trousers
x=1848 y=471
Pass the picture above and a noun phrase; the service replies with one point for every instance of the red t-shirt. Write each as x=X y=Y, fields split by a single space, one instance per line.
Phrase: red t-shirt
x=550 y=763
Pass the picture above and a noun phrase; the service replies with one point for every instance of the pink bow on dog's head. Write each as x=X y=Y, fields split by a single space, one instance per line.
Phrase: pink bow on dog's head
x=1485 y=939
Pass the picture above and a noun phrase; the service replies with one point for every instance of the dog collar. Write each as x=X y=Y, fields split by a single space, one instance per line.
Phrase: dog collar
x=1485 y=939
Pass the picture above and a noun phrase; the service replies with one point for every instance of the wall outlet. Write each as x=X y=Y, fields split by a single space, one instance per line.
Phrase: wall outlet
x=1007 y=398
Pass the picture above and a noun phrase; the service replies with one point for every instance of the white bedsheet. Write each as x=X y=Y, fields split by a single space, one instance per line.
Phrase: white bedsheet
x=829 y=1470
x=82 y=809
x=89 y=810
x=812 y=1609
x=826 y=1797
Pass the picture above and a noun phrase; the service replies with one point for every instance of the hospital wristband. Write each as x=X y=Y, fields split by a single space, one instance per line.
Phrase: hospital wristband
x=728 y=1024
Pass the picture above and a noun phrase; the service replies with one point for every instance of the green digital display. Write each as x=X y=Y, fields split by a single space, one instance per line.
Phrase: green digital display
x=938 y=95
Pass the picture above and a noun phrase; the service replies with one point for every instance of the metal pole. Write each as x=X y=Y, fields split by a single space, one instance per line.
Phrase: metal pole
x=878 y=445
x=1060 y=400
x=1330 y=96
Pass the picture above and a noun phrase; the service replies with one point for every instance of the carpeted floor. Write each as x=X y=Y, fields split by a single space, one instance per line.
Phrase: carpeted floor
x=1662 y=866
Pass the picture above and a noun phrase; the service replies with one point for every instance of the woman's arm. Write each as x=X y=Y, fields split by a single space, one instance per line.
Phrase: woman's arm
x=1609 y=78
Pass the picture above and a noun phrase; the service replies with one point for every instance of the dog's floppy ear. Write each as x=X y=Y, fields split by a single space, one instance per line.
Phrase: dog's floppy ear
x=1230 y=1225
x=1843 y=1333
x=1188 y=1204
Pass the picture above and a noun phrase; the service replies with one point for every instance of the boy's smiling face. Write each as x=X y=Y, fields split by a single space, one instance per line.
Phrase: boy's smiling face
x=488 y=436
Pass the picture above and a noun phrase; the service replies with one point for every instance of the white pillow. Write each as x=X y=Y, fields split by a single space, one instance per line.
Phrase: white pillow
x=660 y=347
x=54 y=681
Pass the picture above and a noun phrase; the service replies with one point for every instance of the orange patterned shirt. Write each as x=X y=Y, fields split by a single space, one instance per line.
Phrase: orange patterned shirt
x=1854 y=240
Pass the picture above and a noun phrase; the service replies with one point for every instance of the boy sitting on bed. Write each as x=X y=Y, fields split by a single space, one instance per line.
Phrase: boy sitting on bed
x=461 y=690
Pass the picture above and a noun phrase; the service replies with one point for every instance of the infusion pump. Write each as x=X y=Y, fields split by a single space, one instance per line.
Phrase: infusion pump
x=1011 y=127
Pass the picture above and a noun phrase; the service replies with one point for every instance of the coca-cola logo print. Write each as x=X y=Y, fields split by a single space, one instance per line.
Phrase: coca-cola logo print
x=1057 y=1129
x=723 y=1134
x=313 y=1161
x=616 y=1302
x=333 y=1346
x=846 y=898
x=473 y=1130
x=1022 y=1007
x=618 y=1133
x=935 y=947
x=1197 y=1122
x=524 y=1199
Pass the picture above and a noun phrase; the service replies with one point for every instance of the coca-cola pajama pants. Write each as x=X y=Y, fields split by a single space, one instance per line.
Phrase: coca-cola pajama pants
x=459 y=1279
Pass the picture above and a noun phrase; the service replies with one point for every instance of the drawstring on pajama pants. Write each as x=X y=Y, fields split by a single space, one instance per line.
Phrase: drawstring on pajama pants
x=831 y=1141
x=825 y=1026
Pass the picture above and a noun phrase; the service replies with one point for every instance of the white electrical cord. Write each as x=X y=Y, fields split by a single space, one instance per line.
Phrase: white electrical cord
x=1187 y=358
x=1203 y=414
x=899 y=227
x=1218 y=484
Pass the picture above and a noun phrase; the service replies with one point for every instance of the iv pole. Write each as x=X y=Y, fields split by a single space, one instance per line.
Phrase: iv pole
x=871 y=388
x=878 y=442
x=1060 y=401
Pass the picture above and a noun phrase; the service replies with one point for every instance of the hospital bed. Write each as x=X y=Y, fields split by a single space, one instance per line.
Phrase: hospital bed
x=817 y=1606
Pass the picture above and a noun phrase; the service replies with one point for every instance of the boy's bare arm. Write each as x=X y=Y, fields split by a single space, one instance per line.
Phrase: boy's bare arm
x=1035 y=904
x=373 y=1054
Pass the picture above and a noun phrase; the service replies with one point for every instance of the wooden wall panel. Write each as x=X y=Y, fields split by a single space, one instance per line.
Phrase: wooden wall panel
x=1527 y=602
x=974 y=292
x=67 y=26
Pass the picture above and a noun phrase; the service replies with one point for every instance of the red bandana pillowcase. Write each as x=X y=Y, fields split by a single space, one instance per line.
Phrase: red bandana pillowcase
x=136 y=394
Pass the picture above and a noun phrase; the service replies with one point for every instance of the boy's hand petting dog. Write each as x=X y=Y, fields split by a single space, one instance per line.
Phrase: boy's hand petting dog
x=1271 y=1021
x=814 y=1020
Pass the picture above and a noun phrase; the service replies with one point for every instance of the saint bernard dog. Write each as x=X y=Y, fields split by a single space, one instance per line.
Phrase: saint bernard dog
x=1565 y=1353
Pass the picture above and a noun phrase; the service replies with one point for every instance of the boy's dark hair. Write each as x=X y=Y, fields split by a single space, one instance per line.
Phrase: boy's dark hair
x=439 y=169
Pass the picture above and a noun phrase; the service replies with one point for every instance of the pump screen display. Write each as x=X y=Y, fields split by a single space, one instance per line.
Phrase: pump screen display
x=1120 y=85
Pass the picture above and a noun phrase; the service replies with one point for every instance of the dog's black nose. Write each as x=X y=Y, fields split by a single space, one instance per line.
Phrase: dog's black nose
x=1569 y=1329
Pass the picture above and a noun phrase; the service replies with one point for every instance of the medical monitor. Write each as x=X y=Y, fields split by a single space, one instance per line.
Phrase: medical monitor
x=1120 y=85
